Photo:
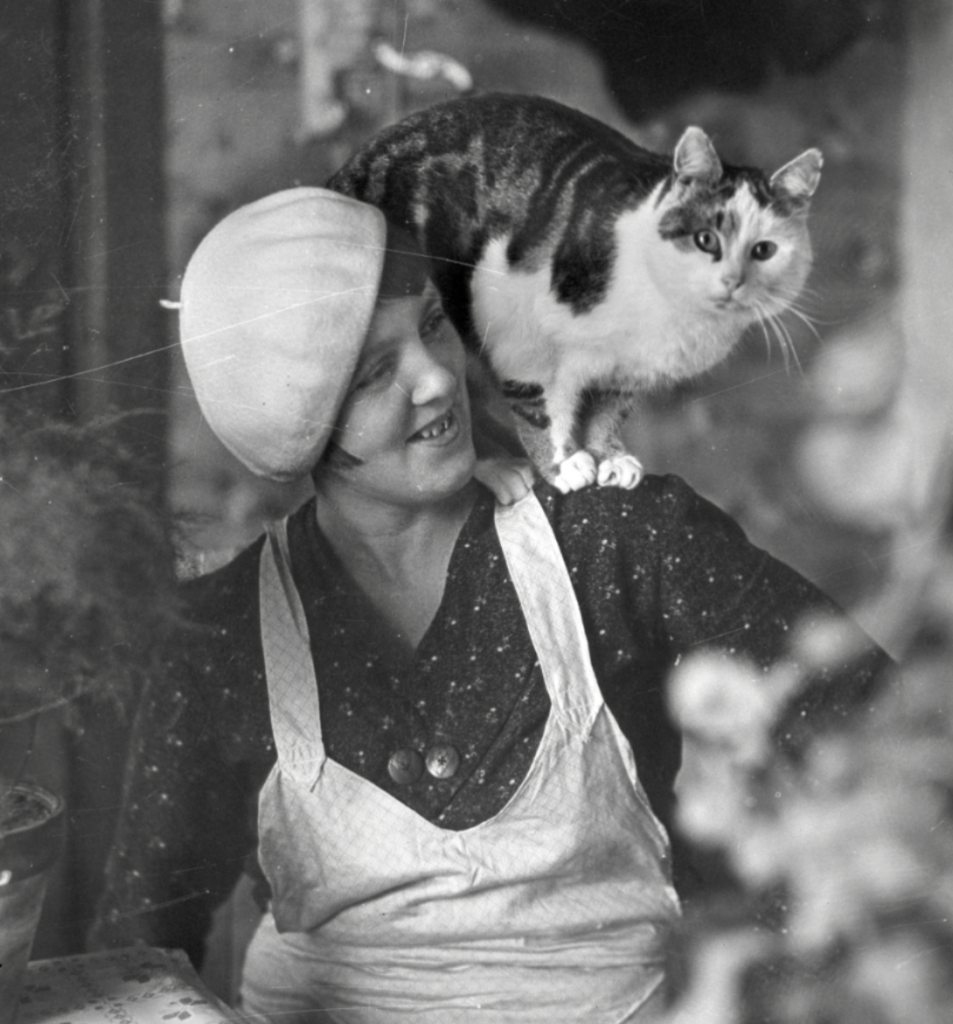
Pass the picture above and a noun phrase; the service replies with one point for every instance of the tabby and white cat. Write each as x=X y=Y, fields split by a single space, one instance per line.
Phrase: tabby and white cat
x=581 y=267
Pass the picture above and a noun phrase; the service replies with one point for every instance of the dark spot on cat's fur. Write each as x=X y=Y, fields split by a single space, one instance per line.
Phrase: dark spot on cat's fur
x=667 y=184
x=528 y=401
x=683 y=221
x=534 y=415
x=521 y=390
x=785 y=205
x=758 y=183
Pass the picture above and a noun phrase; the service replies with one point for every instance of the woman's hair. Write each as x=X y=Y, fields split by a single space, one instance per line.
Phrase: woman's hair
x=335 y=457
x=405 y=272
x=406 y=269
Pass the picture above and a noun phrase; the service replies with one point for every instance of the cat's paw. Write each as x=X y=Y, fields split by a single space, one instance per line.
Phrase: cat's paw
x=621 y=470
x=574 y=473
x=508 y=479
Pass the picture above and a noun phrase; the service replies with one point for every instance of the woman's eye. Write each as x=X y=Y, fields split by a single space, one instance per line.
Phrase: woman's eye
x=371 y=375
x=763 y=250
x=432 y=322
x=707 y=241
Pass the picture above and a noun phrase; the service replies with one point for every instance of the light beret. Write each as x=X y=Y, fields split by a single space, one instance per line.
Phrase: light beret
x=276 y=303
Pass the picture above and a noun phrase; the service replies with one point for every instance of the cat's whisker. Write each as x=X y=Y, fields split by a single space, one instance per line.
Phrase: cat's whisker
x=769 y=318
x=806 y=320
x=807 y=292
x=814 y=318
x=811 y=303
x=790 y=349
x=763 y=324
x=794 y=308
x=784 y=340
x=809 y=297
x=787 y=295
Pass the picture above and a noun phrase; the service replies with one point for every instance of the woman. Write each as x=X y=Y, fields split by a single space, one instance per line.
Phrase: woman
x=412 y=709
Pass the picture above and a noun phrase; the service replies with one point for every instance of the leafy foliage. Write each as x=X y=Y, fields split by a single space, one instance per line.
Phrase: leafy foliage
x=87 y=584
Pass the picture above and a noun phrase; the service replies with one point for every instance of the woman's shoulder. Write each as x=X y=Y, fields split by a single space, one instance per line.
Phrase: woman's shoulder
x=658 y=505
x=215 y=682
x=229 y=591
x=220 y=636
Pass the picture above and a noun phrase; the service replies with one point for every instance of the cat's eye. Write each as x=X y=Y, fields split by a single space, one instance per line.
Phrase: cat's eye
x=763 y=250
x=707 y=241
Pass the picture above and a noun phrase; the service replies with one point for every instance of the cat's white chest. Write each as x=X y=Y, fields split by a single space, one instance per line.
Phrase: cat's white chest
x=639 y=333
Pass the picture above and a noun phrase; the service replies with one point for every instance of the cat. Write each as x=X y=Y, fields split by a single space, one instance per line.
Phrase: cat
x=582 y=268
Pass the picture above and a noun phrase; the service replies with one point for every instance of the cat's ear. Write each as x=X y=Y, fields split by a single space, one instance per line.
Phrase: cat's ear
x=695 y=158
x=798 y=179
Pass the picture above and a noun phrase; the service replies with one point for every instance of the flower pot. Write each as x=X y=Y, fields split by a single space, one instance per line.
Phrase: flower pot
x=31 y=837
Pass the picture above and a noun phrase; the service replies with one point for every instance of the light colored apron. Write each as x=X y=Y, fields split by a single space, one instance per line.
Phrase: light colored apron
x=556 y=909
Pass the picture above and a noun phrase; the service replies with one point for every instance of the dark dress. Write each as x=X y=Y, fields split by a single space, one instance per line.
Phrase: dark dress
x=657 y=571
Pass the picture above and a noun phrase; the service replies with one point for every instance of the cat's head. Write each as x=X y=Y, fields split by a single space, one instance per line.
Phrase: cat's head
x=733 y=240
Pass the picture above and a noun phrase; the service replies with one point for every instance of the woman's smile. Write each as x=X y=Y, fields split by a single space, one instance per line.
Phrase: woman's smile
x=442 y=431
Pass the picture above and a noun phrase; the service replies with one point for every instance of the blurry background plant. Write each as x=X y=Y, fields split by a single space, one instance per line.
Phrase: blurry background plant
x=848 y=839
x=87 y=569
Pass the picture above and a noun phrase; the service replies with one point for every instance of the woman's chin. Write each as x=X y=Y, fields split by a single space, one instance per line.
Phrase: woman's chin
x=456 y=475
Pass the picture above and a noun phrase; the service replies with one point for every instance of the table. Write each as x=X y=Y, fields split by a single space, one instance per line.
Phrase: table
x=138 y=985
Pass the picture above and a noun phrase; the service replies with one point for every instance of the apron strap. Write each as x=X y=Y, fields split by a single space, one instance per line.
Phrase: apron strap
x=549 y=604
x=289 y=668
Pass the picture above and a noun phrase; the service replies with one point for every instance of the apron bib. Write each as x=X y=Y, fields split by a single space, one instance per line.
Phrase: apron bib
x=556 y=908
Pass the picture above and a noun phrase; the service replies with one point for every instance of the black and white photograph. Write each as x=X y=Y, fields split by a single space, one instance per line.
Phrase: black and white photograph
x=476 y=511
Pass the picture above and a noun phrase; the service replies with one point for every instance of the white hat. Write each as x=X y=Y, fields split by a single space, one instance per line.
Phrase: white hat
x=276 y=303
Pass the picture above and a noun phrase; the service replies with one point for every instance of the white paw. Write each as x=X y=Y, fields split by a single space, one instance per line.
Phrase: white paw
x=620 y=471
x=508 y=479
x=576 y=472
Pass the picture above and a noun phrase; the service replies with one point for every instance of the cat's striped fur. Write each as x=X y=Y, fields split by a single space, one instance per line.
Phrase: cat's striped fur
x=582 y=267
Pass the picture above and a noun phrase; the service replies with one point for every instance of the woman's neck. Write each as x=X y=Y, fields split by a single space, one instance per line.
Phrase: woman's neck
x=396 y=556
x=391 y=543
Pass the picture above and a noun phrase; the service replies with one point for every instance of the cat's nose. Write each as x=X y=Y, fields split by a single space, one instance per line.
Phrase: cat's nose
x=732 y=280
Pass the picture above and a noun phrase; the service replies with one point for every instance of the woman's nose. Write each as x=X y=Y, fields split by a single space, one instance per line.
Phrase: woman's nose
x=432 y=379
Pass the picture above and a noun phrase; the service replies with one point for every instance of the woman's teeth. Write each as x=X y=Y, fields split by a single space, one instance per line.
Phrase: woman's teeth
x=429 y=433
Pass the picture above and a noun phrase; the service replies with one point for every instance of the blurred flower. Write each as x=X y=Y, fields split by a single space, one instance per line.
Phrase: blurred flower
x=827 y=643
x=720 y=699
x=850 y=841
x=712 y=795
x=726 y=701
x=905 y=977
x=858 y=371
x=713 y=996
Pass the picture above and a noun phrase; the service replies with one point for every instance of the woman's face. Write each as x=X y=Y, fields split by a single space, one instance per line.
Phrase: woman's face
x=407 y=416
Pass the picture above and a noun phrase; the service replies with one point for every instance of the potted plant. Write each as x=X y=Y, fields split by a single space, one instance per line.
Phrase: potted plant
x=87 y=595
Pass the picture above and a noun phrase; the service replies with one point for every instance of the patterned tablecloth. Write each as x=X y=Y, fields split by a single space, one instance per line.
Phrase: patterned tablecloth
x=138 y=985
